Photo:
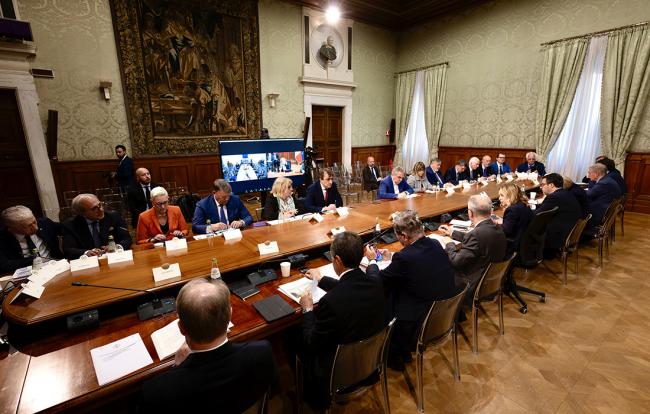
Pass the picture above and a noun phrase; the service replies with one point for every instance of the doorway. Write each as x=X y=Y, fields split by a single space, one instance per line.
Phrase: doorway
x=327 y=132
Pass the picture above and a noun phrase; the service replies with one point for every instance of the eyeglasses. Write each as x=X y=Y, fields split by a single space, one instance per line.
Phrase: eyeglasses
x=162 y=203
x=99 y=206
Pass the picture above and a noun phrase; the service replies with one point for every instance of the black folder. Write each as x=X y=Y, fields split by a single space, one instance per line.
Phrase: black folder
x=273 y=308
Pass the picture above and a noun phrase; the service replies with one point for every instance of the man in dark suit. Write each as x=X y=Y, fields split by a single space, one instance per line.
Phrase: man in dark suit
x=124 y=173
x=394 y=186
x=456 y=173
x=351 y=310
x=434 y=175
x=568 y=213
x=139 y=194
x=22 y=234
x=323 y=194
x=579 y=193
x=223 y=209
x=87 y=232
x=485 y=170
x=500 y=166
x=483 y=245
x=411 y=283
x=371 y=175
x=600 y=196
x=532 y=165
x=210 y=373
x=613 y=173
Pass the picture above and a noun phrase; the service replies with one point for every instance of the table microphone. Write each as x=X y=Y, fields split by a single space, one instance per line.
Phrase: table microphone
x=146 y=310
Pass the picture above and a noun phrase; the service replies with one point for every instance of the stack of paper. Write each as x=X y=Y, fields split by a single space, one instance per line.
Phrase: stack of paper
x=119 y=358
x=299 y=287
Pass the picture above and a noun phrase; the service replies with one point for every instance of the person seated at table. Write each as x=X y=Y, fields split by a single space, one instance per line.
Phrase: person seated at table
x=223 y=209
x=371 y=175
x=532 y=165
x=612 y=173
x=434 y=175
x=418 y=180
x=210 y=373
x=568 y=213
x=473 y=172
x=456 y=173
x=500 y=167
x=410 y=284
x=485 y=244
x=22 y=233
x=579 y=193
x=351 y=310
x=485 y=170
x=162 y=221
x=280 y=204
x=516 y=215
x=394 y=186
x=139 y=194
x=323 y=195
x=600 y=196
x=87 y=232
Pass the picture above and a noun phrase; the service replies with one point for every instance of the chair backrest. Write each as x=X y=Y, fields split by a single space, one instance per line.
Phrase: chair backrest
x=531 y=249
x=492 y=279
x=356 y=361
x=612 y=209
x=187 y=204
x=573 y=238
x=440 y=319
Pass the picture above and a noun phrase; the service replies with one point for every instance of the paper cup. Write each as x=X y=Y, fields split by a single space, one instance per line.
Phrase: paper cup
x=285 y=267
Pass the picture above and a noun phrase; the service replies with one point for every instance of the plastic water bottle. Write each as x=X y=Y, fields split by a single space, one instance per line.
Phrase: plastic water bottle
x=112 y=247
x=377 y=226
x=37 y=263
x=215 y=273
x=208 y=230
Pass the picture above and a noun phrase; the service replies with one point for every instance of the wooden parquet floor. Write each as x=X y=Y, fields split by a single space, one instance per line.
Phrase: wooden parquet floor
x=583 y=351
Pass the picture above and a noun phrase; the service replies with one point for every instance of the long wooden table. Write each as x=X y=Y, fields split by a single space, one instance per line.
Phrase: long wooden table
x=52 y=368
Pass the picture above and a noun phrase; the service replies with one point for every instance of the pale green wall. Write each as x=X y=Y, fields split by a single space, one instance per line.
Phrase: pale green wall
x=494 y=56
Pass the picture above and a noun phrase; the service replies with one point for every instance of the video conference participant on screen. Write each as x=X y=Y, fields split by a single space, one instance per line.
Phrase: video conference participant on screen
x=222 y=208
x=323 y=195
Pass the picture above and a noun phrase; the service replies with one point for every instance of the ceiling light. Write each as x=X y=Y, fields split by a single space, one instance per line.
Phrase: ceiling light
x=332 y=14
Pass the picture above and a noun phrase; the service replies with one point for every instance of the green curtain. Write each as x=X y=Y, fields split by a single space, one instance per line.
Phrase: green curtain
x=435 y=87
x=626 y=82
x=403 y=100
x=560 y=74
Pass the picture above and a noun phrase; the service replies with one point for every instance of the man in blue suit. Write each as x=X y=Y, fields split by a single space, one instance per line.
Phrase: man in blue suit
x=394 y=186
x=434 y=175
x=532 y=165
x=500 y=167
x=323 y=194
x=600 y=196
x=222 y=208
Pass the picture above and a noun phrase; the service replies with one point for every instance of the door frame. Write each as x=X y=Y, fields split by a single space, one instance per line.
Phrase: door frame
x=344 y=102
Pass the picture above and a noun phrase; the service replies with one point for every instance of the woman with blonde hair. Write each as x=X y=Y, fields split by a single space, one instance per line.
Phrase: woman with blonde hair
x=418 y=180
x=162 y=221
x=516 y=215
x=280 y=204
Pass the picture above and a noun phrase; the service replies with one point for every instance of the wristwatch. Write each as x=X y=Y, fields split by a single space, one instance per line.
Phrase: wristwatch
x=305 y=310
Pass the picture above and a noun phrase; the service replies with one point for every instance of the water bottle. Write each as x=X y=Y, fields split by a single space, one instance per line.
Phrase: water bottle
x=215 y=273
x=112 y=247
x=208 y=230
x=377 y=227
x=37 y=263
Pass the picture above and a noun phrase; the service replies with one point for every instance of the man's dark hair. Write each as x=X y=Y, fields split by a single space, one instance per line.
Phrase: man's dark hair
x=556 y=179
x=322 y=171
x=607 y=162
x=349 y=247
x=461 y=163
x=222 y=185
x=120 y=146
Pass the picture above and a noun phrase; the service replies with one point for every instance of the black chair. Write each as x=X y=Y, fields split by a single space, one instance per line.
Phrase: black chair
x=490 y=287
x=531 y=254
x=438 y=325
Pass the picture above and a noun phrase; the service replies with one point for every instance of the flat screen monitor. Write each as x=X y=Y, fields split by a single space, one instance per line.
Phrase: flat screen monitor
x=253 y=165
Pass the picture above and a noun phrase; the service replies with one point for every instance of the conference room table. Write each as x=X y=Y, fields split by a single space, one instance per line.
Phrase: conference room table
x=49 y=368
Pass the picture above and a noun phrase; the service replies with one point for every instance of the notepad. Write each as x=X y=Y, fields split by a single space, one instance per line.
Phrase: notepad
x=119 y=358
x=297 y=288
x=167 y=340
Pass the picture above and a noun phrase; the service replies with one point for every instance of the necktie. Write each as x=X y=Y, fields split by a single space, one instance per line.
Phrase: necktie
x=30 y=245
x=147 y=196
x=373 y=172
x=96 y=240
x=500 y=170
x=222 y=216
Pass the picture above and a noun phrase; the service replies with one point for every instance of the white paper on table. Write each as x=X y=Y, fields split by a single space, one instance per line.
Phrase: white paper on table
x=343 y=211
x=450 y=190
x=467 y=185
x=32 y=289
x=442 y=239
x=48 y=271
x=412 y=195
x=510 y=177
x=317 y=217
x=167 y=340
x=22 y=273
x=119 y=358
x=175 y=244
x=461 y=223
x=328 y=270
x=200 y=236
x=272 y=247
x=84 y=263
x=232 y=234
x=118 y=257
x=160 y=274
x=297 y=288
x=484 y=182
x=430 y=191
x=382 y=264
x=337 y=230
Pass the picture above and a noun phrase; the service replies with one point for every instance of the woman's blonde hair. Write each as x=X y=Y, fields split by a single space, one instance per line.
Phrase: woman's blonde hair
x=512 y=193
x=280 y=184
x=419 y=166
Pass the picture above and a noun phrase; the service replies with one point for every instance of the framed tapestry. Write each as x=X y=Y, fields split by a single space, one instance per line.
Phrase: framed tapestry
x=190 y=72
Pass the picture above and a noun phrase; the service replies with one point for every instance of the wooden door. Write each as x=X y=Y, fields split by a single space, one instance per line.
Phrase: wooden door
x=17 y=185
x=327 y=132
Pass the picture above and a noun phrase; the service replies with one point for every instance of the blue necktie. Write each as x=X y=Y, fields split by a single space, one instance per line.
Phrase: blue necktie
x=222 y=216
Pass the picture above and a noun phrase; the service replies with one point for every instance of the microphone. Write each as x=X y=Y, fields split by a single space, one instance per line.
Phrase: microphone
x=378 y=236
x=146 y=310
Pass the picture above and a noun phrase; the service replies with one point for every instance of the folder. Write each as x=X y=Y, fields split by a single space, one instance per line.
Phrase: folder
x=273 y=308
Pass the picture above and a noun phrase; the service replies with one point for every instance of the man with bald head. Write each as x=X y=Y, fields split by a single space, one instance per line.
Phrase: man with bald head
x=21 y=233
x=210 y=374
x=87 y=232
x=371 y=175
x=139 y=194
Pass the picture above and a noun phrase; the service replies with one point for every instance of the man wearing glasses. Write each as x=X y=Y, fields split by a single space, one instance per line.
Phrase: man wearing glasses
x=87 y=232
x=323 y=195
x=500 y=167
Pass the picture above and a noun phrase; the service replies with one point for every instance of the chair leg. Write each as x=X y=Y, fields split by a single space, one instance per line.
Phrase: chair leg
x=622 y=223
x=455 y=345
x=475 y=328
x=565 y=258
x=600 y=252
x=576 y=253
x=501 y=327
x=420 y=379
x=384 y=389
x=299 y=385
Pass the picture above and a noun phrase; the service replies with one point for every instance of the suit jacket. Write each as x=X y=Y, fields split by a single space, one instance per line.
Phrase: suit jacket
x=149 y=226
x=616 y=176
x=485 y=171
x=207 y=209
x=77 y=238
x=229 y=379
x=505 y=168
x=435 y=179
x=314 y=200
x=600 y=196
x=418 y=275
x=568 y=213
x=137 y=201
x=125 y=173
x=473 y=174
x=387 y=190
x=11 y=255
x=451 y=176
x=516 y=219
x=581 y=195
x=369 y=180
x=537 y=167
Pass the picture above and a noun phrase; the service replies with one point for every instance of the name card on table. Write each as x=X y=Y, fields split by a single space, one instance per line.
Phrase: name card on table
x=268 y=247
x=119 y=257
x=450 y=190
x=30 y=289
x=316 y=217
x=232 y=234
x=412 y=195
x=160 y=274
x=510 y=177
x=467 y=185
x=337 y=230
x=49 y=271
x=484 y=182
x=343 y=211
x=83 y=263
x=175 y=244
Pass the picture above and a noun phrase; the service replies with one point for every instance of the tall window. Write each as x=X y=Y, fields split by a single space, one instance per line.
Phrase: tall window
x=416 y=146
x=579 y=142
